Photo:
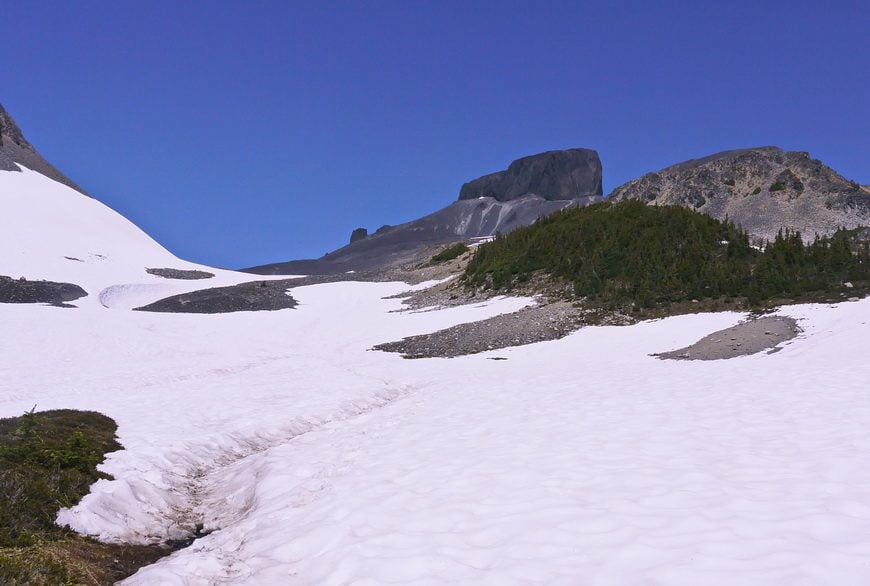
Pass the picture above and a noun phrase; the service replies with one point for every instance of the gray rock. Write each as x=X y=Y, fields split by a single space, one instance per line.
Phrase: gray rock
x=358 y=234
x=24 y=291
x=553 y=175
x=749 y=337
x=251 y=296
x=14 y=148
x=760 y=189
x=181 y=274
x=538 y=323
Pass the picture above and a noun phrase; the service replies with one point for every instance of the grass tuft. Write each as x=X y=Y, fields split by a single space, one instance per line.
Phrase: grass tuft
x=451 y=252
x=48 y=460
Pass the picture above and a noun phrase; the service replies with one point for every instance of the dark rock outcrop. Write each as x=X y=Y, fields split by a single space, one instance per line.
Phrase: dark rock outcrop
x=24 y=291
x=358 y=234
x=760 y=189
x=180 y=274
x=252 y=296
x=553 y=175
x=14 y=148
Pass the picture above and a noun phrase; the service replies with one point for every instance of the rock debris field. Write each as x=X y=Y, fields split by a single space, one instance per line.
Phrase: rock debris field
x=749 y=337
x=536 y=323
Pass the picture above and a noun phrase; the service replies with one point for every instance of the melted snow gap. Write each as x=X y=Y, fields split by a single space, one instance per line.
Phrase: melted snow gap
x=206 y=488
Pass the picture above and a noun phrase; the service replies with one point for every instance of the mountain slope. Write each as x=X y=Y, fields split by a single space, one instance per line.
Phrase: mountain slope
x=530 y=188
x=395 y=245
x=50 y=231
x=14 y=148
x=760 y=189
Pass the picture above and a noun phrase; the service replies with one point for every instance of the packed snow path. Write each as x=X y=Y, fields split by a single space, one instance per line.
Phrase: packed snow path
x=579 y=461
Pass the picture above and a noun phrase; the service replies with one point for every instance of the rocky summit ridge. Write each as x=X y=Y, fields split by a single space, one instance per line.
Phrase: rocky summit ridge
x=761 y=189
x=14 y=148
x=552 y=175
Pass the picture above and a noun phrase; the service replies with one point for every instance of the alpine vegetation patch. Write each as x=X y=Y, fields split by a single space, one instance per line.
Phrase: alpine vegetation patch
x=631 y=257
x=48 y=460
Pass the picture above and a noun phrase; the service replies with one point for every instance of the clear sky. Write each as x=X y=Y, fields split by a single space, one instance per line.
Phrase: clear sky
x=243 y=132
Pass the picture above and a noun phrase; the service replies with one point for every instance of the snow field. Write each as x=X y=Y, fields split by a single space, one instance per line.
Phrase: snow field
x=579 y=461
x=603 y=467
x=196 y=394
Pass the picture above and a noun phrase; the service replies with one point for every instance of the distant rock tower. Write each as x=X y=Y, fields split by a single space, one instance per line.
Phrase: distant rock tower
x=358 y=234
x=553 y=175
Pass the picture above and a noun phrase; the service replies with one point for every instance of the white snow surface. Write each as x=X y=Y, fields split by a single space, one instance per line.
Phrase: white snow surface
x=318 y=461
x=52 y=232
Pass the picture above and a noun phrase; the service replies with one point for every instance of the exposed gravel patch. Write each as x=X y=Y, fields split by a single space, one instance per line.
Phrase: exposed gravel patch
x=447 y=294
x=24 y=291
x=749 y=337
x=251 y=296
x=186 y=275
x=527 y=326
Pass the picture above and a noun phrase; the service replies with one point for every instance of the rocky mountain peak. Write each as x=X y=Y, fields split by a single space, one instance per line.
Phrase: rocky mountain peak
x=10 y=131
x=762 y=189
x=552 y=175
x=14 y=148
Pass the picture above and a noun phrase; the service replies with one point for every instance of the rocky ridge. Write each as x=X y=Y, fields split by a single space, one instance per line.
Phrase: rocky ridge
x=14 y=148
x=552 y=175
x=760 y=189
x=530 y=188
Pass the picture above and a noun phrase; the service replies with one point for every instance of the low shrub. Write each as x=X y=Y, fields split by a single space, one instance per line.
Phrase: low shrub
x=48 y=460
x=451 y=252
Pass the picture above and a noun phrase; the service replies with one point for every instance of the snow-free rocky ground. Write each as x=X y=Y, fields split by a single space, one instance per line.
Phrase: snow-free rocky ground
x=316 y=460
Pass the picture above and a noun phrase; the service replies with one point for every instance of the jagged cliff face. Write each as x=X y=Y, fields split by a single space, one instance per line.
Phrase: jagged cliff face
x=14 y=148
x=553 y=175
x=761 y=189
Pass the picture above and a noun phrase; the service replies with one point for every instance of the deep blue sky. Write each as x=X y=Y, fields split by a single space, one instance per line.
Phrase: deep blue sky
x=239 y=133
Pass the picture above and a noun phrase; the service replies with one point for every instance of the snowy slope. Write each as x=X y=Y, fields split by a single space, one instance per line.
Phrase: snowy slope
x=579 y=461
x=50 y=231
